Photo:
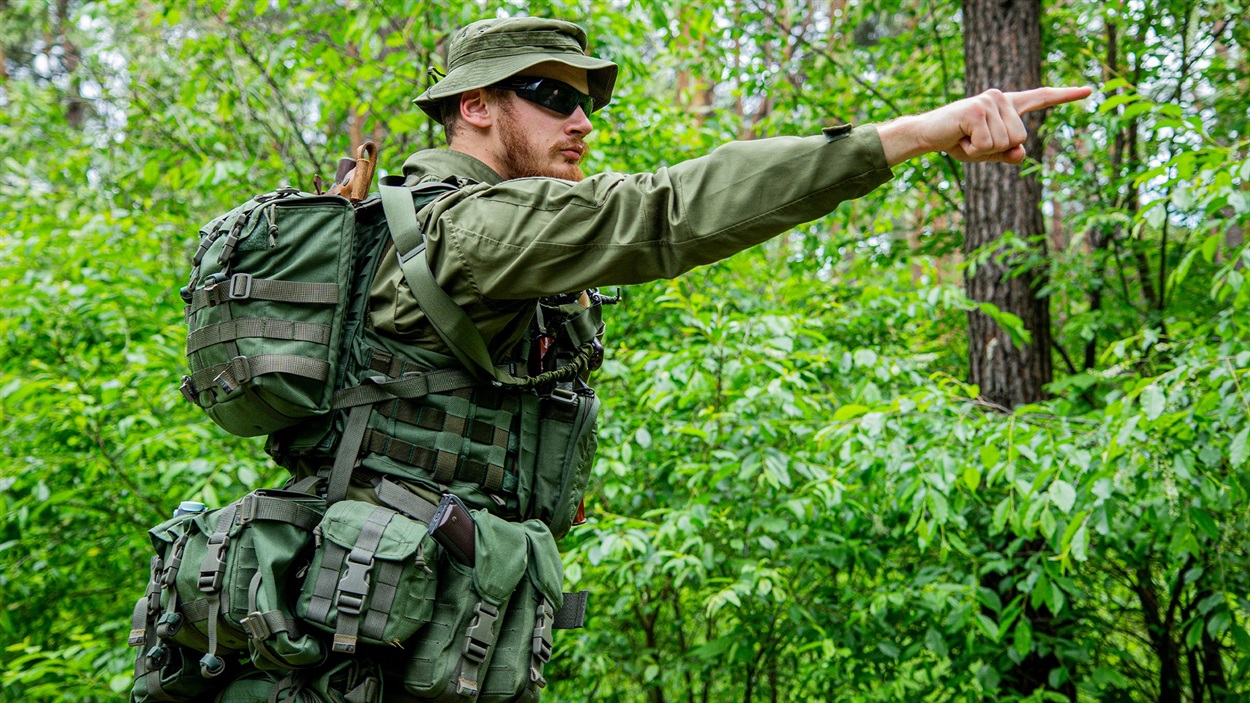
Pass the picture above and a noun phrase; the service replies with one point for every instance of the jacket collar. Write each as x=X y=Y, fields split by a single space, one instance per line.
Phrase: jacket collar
x=441 y=164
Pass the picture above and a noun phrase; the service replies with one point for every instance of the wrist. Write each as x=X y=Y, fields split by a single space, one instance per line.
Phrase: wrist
x=901 y=139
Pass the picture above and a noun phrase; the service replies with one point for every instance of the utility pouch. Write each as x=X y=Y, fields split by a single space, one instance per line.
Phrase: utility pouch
x=164 y=671
x=554 y=475
x=342 y=680
x=455 y=656
x=265 y=308
x=368 y=583
x=225 y=581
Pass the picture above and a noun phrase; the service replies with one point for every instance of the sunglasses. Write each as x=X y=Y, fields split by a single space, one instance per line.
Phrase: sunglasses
x=549 y=93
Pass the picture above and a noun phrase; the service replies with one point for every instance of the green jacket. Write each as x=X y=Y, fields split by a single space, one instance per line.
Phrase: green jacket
x=496 y=245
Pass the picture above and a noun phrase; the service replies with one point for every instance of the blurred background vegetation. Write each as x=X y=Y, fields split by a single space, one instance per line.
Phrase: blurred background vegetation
x=803 y=490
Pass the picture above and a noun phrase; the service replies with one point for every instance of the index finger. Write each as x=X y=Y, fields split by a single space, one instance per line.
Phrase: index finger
x=1040 y=98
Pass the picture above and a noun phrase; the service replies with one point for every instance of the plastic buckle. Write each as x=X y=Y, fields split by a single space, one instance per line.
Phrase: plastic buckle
x=542 y=639
x=240 y=286
x=480 y=635
x=249 y=509
x=355 y=583
x=210 y=578
x=563 y=395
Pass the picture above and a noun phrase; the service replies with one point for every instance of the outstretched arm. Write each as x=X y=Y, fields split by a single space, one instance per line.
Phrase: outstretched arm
x=985 y=127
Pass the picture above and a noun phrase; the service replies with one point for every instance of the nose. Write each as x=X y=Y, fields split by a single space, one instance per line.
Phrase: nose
x=578 y=124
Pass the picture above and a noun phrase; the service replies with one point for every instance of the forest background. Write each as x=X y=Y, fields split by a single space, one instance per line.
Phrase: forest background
x=803 y=491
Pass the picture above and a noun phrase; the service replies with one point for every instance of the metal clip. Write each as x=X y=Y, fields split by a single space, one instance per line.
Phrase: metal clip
x=188 y=390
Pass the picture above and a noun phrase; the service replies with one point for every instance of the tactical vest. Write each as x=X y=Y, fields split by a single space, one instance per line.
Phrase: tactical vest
x=275 y=592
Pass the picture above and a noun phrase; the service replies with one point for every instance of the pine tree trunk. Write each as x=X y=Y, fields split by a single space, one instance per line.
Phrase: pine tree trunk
x=1002 y=49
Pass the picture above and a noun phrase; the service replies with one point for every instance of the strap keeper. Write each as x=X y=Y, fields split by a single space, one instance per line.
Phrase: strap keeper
x=136 y=637
x=240 y=286
x=168 y=625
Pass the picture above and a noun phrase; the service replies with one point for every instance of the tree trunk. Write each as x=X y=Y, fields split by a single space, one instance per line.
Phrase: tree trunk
x=1002 y=49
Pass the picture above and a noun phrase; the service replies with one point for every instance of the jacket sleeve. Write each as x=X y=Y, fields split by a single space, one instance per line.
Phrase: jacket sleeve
x=531 y=237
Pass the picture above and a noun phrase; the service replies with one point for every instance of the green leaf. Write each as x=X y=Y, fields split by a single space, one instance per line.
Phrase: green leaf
x=846 y=412
x=990 y=455
x=1063 y=495
x=1238 y=450
x=1205 y=522
x=1153 y=401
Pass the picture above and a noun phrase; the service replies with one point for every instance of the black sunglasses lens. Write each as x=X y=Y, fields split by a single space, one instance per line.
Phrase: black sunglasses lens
x=554 y=95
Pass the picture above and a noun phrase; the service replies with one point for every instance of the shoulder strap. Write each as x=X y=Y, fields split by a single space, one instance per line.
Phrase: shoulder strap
x=449 y=320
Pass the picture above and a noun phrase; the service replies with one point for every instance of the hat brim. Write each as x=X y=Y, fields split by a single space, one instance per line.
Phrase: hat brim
x=600 y=73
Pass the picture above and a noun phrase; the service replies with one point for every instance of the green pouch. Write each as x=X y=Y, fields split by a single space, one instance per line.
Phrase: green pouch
x=525 y=638
x=224 y=587
x=344 y=680
x=368 y=582
x=265 y=308
x=559 y=467
x=452 y=652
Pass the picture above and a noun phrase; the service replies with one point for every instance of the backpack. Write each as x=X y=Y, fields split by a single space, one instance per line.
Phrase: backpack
x=278 y=344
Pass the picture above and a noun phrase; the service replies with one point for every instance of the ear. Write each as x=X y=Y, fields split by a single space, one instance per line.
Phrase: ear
x=476 y=109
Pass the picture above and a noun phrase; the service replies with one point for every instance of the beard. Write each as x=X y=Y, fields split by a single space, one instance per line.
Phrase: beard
x=522 y=158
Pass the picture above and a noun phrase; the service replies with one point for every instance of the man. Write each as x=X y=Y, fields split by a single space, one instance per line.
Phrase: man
x=516 y=104
x=524 y=223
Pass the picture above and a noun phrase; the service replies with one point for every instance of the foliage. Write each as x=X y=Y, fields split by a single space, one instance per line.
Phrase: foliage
x=798 y=494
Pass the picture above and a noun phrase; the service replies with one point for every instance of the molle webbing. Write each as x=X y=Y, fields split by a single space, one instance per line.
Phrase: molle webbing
x=456 y=420
x=268 y=328
x=242 y=286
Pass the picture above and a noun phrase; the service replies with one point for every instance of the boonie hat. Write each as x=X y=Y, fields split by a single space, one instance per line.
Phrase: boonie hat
x=489 y=51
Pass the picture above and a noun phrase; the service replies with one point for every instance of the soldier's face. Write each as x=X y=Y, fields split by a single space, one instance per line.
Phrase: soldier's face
x=537 y=141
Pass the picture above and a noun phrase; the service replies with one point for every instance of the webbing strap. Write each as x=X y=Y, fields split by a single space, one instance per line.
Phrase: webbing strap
x=405 y=501
x=242 y=286
x=385 y=587
x=354 y=586
x=242 y=369
x=273 y=509
x=417 y=386
x=572 y=614
x=212 y=569
x=449 y=320
x=349 y=450
x=265 y=327
x=444 y=467
x=332 y=559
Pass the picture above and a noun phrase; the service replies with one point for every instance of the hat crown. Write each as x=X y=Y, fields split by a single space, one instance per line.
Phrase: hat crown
x=519 y=35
